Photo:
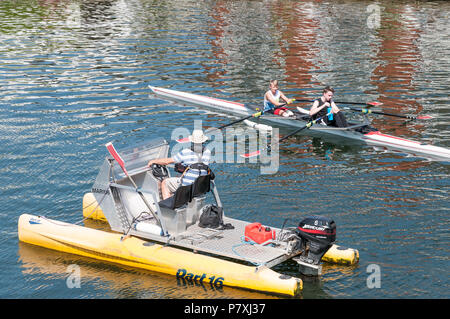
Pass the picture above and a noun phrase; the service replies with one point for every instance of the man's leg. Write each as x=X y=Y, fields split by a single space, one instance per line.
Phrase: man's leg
x=282 y=111
x=169 y=186
x=340 y=120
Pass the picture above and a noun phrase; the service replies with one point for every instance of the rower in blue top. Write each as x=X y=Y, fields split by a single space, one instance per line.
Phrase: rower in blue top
x=272 y=101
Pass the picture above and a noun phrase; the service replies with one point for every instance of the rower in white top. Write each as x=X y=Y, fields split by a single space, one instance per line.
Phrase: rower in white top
x=272 y=101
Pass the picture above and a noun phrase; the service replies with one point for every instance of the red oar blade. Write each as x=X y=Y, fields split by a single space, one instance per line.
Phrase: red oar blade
x=252 y=154
x=116 y=156
x=424 y=117
x=183 y=140
x=374 y=103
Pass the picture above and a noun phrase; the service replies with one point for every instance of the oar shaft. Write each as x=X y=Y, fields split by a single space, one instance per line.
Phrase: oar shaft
x=144 y=200
x=121 y=163
x=293 y=133
x=356 y=103
x=339 y=102
x=257 y=114
x=240 y=120
x=396 y=115
x=308 y=125
x=367 y=111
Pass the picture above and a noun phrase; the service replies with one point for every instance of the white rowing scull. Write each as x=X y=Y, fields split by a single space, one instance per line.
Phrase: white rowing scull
x=361 y=132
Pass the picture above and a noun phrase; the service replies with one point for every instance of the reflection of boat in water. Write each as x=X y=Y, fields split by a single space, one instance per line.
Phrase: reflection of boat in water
x=165 y=235
x=121 y=283
x=360 y=133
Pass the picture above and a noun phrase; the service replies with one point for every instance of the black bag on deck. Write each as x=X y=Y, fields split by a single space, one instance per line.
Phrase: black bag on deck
x=211 y=217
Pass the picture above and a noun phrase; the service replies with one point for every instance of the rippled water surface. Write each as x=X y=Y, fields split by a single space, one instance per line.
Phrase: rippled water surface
x=74 y=76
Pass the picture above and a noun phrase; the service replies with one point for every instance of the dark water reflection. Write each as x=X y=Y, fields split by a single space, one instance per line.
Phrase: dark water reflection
x=74 y=76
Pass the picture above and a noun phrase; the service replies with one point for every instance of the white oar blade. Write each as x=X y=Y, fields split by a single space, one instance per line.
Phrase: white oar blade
x=258 y=126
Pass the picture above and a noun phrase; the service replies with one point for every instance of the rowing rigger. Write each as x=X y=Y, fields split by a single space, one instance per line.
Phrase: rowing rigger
x=356 y=132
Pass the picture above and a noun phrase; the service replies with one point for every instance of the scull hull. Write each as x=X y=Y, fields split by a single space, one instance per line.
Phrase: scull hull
x=374 y=138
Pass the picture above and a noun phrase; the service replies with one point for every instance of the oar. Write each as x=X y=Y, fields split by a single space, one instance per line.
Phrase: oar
x=257 y=114
x=308 y=125
x=371 y=104
x=121 y=163
x=409 y=117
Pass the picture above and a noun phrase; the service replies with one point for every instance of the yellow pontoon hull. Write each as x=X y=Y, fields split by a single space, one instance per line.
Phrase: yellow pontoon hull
x=336 y=254
x=135 y=252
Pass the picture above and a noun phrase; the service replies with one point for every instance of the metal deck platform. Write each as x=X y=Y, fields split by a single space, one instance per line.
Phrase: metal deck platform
x=229 y=243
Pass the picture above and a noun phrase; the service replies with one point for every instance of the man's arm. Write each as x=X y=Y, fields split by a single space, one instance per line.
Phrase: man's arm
x=314 y=109
x=288 y=101
x=270 y=98
x=161 y=161
x=334 y=107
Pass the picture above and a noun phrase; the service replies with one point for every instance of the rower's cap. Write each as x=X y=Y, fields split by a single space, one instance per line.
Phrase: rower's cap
x=198 y=137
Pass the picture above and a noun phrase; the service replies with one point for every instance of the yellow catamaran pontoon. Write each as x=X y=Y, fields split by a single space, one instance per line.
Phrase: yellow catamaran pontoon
x=166 y=235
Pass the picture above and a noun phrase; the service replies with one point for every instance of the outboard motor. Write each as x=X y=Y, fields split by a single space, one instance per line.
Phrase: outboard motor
x=318 y=233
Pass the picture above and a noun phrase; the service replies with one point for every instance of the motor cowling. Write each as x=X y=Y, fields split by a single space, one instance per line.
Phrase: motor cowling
x=318 y=233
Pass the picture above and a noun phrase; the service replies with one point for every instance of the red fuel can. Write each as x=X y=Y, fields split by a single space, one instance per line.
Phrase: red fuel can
x=258 y=233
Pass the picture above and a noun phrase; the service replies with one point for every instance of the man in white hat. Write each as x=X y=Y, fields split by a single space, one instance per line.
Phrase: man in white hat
x=193 y=159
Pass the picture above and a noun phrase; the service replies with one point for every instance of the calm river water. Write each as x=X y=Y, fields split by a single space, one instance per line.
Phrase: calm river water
x=74 y=76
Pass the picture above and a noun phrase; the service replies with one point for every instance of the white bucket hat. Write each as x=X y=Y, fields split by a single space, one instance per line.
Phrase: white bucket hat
x=198 y=137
